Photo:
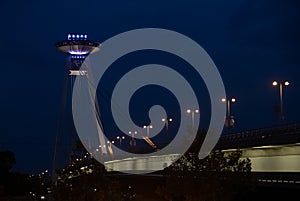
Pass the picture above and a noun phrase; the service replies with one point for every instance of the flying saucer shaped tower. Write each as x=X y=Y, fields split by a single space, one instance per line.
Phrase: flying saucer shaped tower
x=77 y=44
x=77 y=47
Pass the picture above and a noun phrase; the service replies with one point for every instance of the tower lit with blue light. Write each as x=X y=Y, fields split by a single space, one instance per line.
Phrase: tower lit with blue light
x=76 y=47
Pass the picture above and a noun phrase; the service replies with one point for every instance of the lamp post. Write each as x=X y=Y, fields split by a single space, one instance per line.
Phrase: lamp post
x=109 y=146
x=167 y=120
x=132 y=141
x=109 y=143
x=120 y=138
x=229 y=118
x=192 y=112
x=281 y=84
x=148 y=129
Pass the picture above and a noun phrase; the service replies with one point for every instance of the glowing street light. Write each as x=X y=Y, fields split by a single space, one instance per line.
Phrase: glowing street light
x=109 y=146
x=192 y=112
x=229 y=118
x=132 y=141
x=281 y=84
x=148 y=129
x=120 y=138
x=167 y=121
x=229 y=101
x=109 y=143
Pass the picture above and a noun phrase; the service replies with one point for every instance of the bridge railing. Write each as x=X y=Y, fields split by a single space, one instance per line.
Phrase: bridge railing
x=283 y=134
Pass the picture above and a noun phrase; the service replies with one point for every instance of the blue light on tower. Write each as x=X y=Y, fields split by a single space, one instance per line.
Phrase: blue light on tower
x=78 y=52
x=77 y=45
x=77 y=37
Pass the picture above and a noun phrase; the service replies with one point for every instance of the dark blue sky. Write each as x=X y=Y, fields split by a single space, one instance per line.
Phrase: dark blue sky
x=251 y=42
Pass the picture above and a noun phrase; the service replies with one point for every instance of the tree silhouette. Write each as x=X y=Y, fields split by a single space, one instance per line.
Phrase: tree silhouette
x=7 y=161
x=220 y=176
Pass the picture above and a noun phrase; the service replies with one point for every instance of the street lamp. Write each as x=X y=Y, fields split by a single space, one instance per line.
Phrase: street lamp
x=281 y=84
x=229 y=118
x=192 y=112
x=167 y=121
x=109 y=146
x=111 y=142
x=132 y=141
x=120 y=138
x=148 y=129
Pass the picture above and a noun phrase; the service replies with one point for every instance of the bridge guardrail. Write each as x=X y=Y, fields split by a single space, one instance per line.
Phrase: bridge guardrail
x=283 y=134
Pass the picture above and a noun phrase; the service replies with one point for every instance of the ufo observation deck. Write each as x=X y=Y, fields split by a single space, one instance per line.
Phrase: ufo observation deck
x=78 y=44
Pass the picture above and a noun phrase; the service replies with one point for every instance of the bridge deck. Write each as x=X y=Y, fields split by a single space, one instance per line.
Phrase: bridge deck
x=278 y=135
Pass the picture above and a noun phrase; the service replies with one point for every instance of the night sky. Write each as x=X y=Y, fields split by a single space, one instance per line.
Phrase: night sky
x=251 y=42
